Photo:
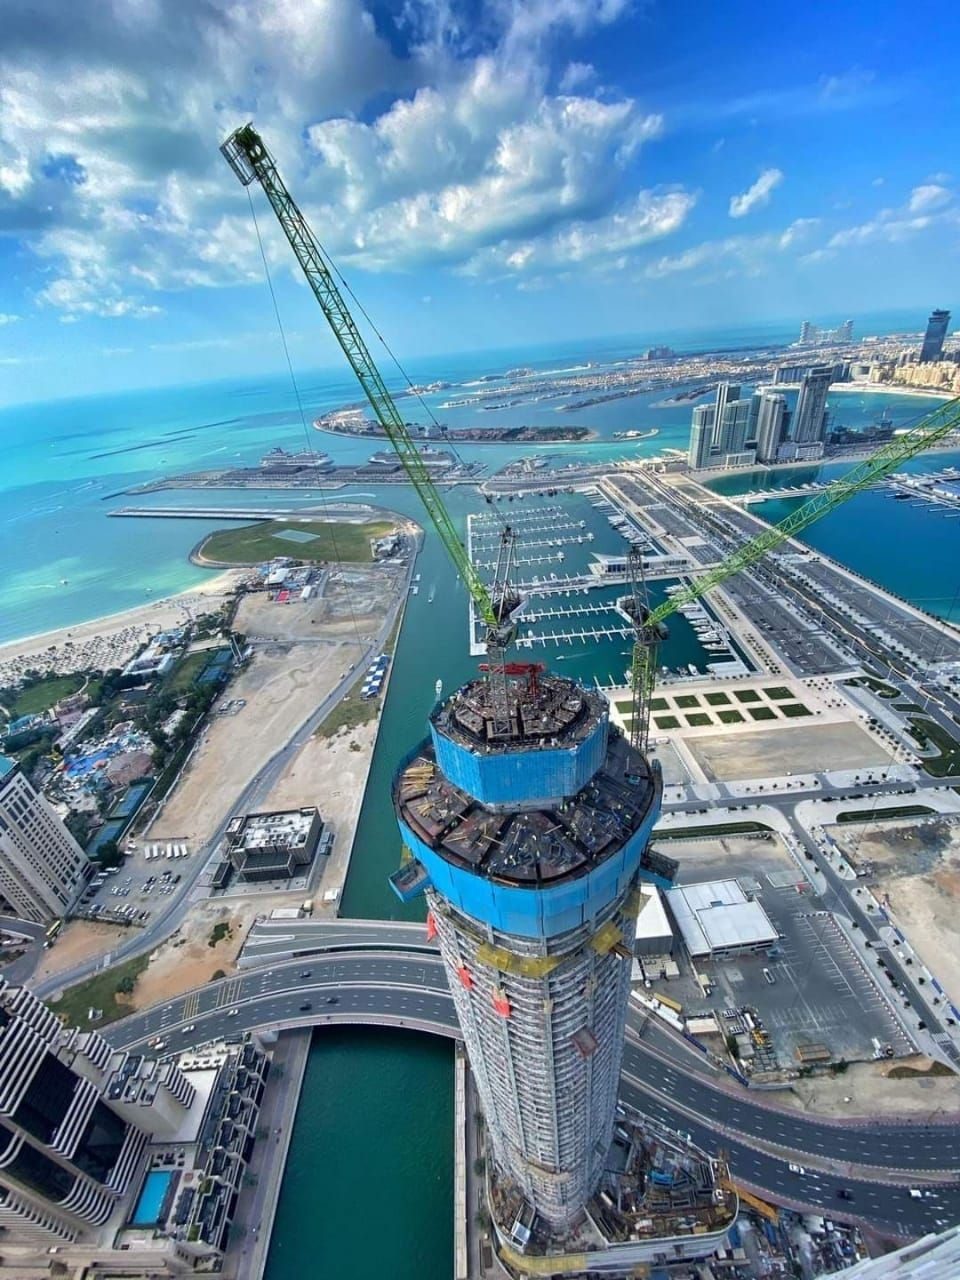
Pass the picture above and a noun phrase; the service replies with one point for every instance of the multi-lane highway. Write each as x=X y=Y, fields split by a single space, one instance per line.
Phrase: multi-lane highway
x=409 y=989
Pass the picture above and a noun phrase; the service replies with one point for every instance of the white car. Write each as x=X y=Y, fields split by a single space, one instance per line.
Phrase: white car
x=797 y=1168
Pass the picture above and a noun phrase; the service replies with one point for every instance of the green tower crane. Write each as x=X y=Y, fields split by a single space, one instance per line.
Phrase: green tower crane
x=250 y=160
x=650 y=624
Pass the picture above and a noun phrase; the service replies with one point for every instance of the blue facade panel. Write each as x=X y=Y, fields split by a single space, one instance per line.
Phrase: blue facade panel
x=522 y=778
x=534 y=912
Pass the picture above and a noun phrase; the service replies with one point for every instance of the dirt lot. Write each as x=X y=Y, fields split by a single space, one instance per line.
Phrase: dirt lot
x=730 y=856
x=916 y=867
x=767 y=753
x=301 y=651
x=76 y=942
x=282 y=685
x=349 y=596
x=872 y=1092
x=335 y=769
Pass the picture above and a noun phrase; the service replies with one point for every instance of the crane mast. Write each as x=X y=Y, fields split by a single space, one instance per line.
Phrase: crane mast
x=250 y=160
x=650 y=629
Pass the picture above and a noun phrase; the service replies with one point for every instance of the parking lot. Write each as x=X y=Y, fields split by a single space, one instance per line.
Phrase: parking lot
x=818 y=991
x=131 y=893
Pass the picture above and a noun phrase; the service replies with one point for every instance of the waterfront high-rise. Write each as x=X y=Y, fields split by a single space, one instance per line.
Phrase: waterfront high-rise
x=42 y=868
x=771 y=419
x=701 y=437
x=937 y=325
x=726 y=392
x=737 y=425
x=527 y=816
x=810 y=414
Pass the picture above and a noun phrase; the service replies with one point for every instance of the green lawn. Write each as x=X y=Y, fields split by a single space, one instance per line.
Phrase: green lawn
x=929 y=733
x=99 y=992
x=877 y=815
x=685 y=700
x=254 y=543
x=722 y=829
x=730 y=716
x=746 y=695
x=794 y=709
x=762 y=713
x=666 y=722
x=44 y=694
x=879 y=687
x=717 y=699
x=779 y=694
x=625 y=708
x=656 y=704
x=186 y=671
x=697 y=719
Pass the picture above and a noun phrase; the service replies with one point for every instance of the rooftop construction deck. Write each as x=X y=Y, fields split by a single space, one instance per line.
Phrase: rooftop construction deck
x=532 y=847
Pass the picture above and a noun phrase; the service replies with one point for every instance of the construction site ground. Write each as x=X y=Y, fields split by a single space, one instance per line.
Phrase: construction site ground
x=301 y=651
x=913 y=867
x=749 y=752
x=868 y=1089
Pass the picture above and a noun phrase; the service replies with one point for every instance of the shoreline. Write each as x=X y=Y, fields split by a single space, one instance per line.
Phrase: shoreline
x=163 y=612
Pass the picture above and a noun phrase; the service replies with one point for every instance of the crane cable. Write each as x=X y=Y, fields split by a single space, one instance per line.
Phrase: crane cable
x=335 y=271
x=303 y=422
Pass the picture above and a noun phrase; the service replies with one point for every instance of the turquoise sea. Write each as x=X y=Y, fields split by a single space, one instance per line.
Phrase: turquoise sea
x=373 y=1136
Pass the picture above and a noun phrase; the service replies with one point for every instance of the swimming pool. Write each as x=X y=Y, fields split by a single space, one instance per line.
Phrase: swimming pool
x=152 y=1196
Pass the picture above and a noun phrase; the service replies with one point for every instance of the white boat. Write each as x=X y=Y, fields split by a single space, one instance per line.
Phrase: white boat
x=438 y=689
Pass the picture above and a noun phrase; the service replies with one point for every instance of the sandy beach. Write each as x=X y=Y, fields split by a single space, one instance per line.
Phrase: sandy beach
x=111 y=641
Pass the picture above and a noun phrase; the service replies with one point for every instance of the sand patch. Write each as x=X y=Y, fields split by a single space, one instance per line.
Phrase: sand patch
x=770 y=753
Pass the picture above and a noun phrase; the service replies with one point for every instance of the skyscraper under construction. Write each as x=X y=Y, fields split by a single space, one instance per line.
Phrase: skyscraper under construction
x=530 y=837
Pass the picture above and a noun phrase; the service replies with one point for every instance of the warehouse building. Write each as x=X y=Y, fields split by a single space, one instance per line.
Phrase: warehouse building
x=717 y=919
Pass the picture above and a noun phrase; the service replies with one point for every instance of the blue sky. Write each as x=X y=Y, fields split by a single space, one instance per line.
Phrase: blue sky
x=485 y=174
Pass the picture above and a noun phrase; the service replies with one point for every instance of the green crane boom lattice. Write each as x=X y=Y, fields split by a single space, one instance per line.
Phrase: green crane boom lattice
x=931 y=429
x=249 y=158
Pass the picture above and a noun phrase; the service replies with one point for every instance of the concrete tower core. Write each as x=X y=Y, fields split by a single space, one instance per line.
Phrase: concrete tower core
x=530 y=845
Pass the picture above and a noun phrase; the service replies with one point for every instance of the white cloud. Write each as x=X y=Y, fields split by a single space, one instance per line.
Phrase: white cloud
x=734 y=255
x=576 y=76
x=7 y=317
x=650 y=216
x=928 y=206
x=109 y=130
x=930 y=195
x=756 y=196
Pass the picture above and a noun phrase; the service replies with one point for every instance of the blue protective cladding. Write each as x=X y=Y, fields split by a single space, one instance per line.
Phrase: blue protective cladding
x=534 y=912
x=524 y=778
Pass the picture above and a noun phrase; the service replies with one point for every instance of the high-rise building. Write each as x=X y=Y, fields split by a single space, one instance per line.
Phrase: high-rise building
x=701 y=437
x=738 y=423
x=528 y=818
x=810 y=414
x=808 y=333
x=726 y=392
x=68 y=1155
x=42 y=868
x=771 y=421
x=937 y=326
x=844 y=332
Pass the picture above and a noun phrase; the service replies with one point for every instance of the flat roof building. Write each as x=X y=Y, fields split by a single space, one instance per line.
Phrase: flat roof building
x=273 y=846
x=716 y=918
x=42 y=868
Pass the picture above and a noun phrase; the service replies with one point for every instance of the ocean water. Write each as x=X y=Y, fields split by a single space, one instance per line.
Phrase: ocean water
x=66 y=464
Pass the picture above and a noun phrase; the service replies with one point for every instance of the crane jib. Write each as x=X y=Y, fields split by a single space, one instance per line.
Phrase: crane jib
x=250 y=160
